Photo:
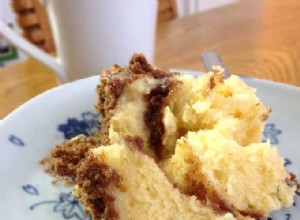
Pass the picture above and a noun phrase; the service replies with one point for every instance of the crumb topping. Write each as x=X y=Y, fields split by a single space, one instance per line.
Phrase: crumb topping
x=95 y=179
x=66 y=158
x=291 y=181
x=139 y=64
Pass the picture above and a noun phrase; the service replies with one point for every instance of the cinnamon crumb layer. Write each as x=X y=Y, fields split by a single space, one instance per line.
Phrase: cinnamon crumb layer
x=95 y=181
x=112 y=85
x=65 y=158
x=138 y=91
x=155 y=103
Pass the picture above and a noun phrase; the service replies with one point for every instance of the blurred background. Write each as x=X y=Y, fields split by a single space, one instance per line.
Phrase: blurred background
x=29 y=18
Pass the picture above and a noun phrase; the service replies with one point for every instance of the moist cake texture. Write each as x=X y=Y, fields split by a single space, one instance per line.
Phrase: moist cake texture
x=248 y=180
x=175 y=146
x=134 y=187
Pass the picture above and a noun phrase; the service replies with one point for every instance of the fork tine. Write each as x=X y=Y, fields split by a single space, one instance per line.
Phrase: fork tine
x=213 y=59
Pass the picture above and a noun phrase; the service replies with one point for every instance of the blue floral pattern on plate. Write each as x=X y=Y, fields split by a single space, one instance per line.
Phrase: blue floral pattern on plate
x=14 y=139
x=88 y=123
x=66 y=204
x=271 y=133
x=287 y=217
x=30 y=189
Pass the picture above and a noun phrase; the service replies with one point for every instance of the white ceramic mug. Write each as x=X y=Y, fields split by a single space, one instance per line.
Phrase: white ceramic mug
x=92 y=35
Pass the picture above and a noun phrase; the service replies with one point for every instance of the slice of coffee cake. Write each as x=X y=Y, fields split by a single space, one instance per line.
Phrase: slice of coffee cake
x=175 y=146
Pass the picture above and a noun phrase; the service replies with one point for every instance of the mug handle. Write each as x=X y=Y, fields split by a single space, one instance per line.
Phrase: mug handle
x=33 y=51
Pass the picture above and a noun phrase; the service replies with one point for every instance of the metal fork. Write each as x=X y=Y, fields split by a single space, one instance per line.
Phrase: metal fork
x=213 y=59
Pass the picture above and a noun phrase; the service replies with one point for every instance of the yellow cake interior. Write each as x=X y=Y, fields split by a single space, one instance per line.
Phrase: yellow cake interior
x=144 y=192
x=248 y=179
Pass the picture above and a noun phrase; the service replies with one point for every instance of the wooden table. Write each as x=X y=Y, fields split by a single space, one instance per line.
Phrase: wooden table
x=255 y=38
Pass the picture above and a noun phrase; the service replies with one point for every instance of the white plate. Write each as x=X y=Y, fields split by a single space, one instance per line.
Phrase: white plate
x=30 y=132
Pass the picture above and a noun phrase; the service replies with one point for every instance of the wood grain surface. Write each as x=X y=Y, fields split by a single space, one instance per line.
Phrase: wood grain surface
x=254 y=38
